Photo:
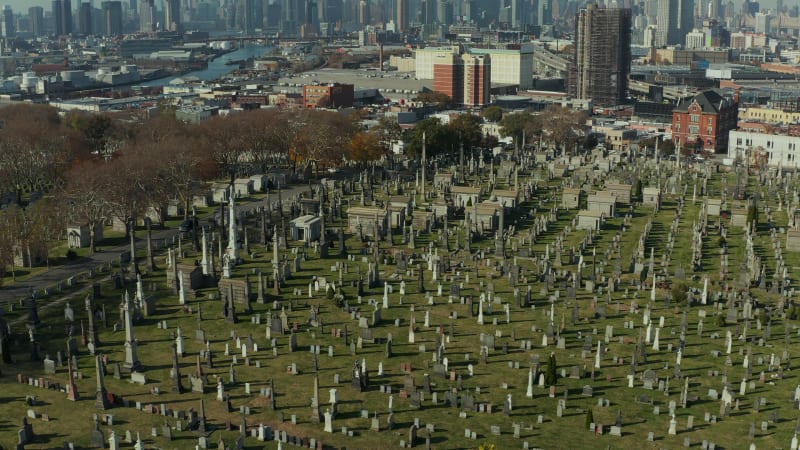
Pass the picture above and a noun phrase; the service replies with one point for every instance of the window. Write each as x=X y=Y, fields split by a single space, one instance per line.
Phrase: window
x=694 y=118
x=693 y=129
x=710 y=130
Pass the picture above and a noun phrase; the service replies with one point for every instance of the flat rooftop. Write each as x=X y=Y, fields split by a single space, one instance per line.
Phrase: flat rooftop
x=362 y=79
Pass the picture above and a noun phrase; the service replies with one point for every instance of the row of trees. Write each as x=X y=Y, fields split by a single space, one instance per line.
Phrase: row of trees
x=96 y=167
x=562 y=127
x=27 y=232
x=92 y=168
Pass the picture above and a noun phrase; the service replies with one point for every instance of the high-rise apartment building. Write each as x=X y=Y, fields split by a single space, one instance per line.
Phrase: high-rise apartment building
x=477 y=79
x=602 y=55
x=36 y=20
x=447 y=74
x=464 y=78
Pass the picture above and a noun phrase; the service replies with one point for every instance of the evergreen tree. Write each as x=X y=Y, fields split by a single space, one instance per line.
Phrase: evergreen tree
x=550 y=376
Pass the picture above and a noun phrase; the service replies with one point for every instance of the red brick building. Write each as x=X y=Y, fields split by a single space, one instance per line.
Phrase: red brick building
x=333 y=95
x=448 y=76
x=705 y=120
x=464 y=78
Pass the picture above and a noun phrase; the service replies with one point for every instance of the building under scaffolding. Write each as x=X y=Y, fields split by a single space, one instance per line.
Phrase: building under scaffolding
x=602 y=55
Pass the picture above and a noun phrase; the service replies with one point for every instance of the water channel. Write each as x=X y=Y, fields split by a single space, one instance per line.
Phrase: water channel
x=217 y=68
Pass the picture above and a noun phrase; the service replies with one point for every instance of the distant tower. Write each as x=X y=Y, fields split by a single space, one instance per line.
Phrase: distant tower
x=58 y=20
x=8 y=22
x=402 y=15
x=602 y=55
x=363 y=13
x=85 y=19
x=66 y=16
x=289 y=14
x=36 y=20
x=112 y=18
x=674 y=18
x=172 y=15
x=252 y=16
x=147 y=16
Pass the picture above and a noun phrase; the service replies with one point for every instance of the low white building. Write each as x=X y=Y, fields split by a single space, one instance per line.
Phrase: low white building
x=306 y=228
x=775 y=150
x=464 y=196
x=590 y=220
x=78 y=235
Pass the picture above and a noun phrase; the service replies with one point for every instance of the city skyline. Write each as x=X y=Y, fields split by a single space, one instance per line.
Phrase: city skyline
x=23 y=5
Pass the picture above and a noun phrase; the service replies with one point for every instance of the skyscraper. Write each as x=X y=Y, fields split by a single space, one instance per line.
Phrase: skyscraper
x=674 y=18
x=36 y=20
x=428 y=12
x=8 y=22
x=62 y=17
x=543 y=12
x=112 y=18
x=444 y=12
x=515 y=13
x=172 y=15
x=66 y=16
x=333 y=11
x=85 y=19
x=402 y=15
x=602 y=55
x=58 y=20
x=147 y=16
x=289 y=17
x=252 y=15
x=310 y=16
x=364 y=14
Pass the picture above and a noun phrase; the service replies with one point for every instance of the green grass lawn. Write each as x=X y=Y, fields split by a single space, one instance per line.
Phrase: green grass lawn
x=72 y=421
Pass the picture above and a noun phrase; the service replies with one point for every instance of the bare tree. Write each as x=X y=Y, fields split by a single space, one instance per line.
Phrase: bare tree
x=85 y=196
x=324 y=137
x=47 y=216
x=265 y=137
x=225 y=144
x=33 y=154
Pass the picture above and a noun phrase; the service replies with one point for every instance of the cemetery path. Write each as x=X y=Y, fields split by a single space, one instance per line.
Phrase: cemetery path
x=51 y=277
x=106 y=255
